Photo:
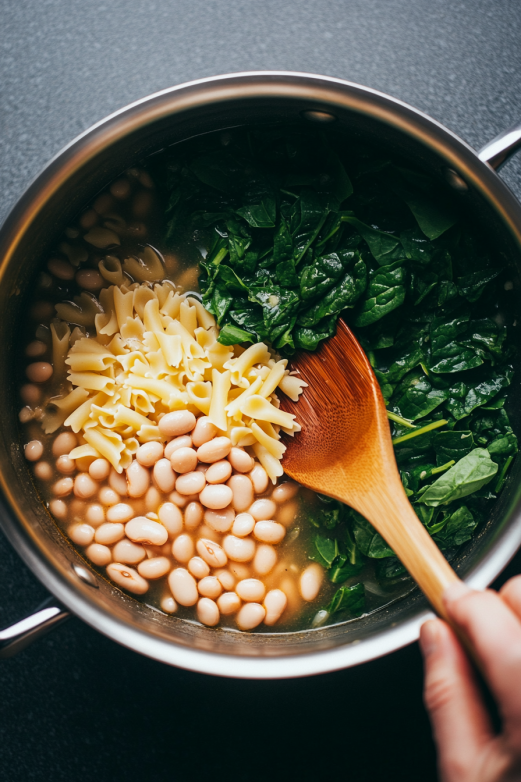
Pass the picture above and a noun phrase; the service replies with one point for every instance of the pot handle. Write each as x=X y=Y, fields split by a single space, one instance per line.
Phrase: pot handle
x=16 y=637
x=502 y=147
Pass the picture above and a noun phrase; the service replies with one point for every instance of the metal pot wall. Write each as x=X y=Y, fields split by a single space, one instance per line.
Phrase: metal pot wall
x=55 y=197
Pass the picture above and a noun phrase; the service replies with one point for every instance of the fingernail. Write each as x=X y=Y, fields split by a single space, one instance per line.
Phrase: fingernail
x=454 y=591
x=429 y=637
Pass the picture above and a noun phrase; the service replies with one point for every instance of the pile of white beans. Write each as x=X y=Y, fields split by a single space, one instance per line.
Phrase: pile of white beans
x=192 y=514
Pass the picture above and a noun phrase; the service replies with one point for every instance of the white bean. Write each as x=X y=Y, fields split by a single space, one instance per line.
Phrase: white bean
x=183 y=548
x=98 y=554
x=138 y=479
x=250 y=616
x=183 y=587
x=275 y=603
x=214 y=450
x=216 y=497
x=311 y=581
x=143 y=530
x=164 y=476
x=156 y=567
x=176 y=423
x=127 y=578
x=33 y=450
x=240 y=460
x=190 y=483
x=65 y=465
x=43 y=471
x=183 y=460
x=81 y=534
x=239 y=549
x=149 y=453
x=198 y=567
x=219 y=472
x=193 y=515
x=242 y=489
x=59 y=509
x=211 y=552
x=207 y=612
x=120 y=512
x=108 y=496
x=284 y=491
x=209 y=586
x=243 y=525
x=269 y=532
x=207 y=532
x=31 y=394
x=204 y=431
x=171 y=518
x=251 y=590
x=168 y=605
x=153 y=499
x=239 y=570
x=181 y=500
x=39 y=371
x=262 y=510
x=185 y=441
x=61 y=269
x=95 y=514
x=259 y=478
x=36 y=348
x=63 y=487
x=265 y=560
x=84 y=486
x=109 y=533
x=118 y=482
x=90 y=279
x=287 y=513
x=219 y=520
x=64 y=444
x=127 y=552
x=226 y=579
x=229 y=603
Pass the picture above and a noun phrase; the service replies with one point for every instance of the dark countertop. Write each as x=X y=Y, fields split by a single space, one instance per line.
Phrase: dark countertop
x=75 y=705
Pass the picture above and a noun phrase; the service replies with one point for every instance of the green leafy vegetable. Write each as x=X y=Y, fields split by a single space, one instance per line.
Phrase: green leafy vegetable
x=472 y=472
x=348 y=598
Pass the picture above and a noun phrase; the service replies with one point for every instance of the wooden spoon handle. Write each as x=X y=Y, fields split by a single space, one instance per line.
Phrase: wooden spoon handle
x=391 y=513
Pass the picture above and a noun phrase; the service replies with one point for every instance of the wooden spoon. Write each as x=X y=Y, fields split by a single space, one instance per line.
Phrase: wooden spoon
x=345 y=451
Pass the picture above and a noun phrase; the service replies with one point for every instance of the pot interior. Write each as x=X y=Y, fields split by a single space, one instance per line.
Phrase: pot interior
x=68 y=184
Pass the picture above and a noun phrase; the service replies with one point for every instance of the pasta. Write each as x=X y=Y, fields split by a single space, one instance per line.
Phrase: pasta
x=155 y=351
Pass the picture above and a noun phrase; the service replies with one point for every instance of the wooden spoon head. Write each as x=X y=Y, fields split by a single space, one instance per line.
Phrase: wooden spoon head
x=345 y=445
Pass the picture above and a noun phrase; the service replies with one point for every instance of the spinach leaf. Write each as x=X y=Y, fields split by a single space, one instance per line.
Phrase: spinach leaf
x=370 y=542
x=308 y=338
x=322 y=274
x=432 y=217
x=261 y=215
x=385 y=292
x=233 y=335
x=452 y=445
x=463 y=400
x=457 y=528
x=348 y=598
x=385 y=248
x=326 y=551
x=472 y=472
x=416 y=397
x=344 y=294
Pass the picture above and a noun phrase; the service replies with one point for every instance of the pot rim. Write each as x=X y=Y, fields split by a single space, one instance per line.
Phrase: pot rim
x=322 y=93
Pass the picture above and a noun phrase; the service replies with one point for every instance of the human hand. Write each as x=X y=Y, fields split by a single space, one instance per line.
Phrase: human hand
x=468 y=748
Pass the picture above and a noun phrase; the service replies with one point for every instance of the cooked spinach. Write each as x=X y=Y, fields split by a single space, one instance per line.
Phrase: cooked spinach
x=297 y=228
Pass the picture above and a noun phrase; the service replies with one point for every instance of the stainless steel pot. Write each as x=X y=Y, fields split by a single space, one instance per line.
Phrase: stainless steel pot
x=70 y=180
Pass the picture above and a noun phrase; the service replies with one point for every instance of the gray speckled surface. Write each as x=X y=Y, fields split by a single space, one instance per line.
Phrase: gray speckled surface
x=76 y=705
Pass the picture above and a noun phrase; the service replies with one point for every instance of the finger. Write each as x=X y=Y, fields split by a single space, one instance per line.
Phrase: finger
x=459 y=719
x=511 y=595
x=494 y=632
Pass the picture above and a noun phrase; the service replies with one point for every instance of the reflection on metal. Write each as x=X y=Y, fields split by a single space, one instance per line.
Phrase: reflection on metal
x=498 y=151
x=70 y=181
x=86 y=576
x=319 y=116
x=16 y=637
x=455 y=181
